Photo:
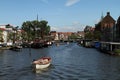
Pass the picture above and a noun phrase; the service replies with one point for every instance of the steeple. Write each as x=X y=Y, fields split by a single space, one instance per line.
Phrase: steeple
x=102 y=16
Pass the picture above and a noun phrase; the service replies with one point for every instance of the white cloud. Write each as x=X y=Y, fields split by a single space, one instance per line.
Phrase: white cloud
x=73 y=27
x=76 y=26
x=54 y=29
x=76 y=23
x=96 y=21
x=60 y=29
x=71 y=2
x=44 y=1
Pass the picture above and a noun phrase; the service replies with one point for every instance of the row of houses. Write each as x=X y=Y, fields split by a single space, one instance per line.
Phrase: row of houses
x=65 y=35
x=108 y=28
x=105 y=35
x=5 y=31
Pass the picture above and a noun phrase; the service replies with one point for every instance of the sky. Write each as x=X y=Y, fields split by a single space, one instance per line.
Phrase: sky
x=62 y=15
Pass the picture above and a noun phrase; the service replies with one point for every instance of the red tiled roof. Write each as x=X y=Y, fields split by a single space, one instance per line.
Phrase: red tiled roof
x=3 y=29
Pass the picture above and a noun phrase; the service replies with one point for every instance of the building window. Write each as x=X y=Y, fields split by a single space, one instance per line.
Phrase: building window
x=111 y=24
x=105 y=25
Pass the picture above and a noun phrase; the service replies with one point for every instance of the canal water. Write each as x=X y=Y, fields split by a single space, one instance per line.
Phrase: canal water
x=69 y=62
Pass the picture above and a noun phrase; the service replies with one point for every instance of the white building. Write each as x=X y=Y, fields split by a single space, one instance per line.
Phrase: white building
x=56 y=36
x=5 y=33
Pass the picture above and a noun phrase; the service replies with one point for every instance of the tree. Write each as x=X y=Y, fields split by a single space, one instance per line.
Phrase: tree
x=73 y=36
x=97 y=35
x=35 y=29
x=89 y=35
x=88 y=32
x=1 y=36
x=44 y=28
x=10 y=36
x=29 y=30
x=15 y=34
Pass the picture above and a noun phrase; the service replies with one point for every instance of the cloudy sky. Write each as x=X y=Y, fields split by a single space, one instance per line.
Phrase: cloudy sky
x=62 y=15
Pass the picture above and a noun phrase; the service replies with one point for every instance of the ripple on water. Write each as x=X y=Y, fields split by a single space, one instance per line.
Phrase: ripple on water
x=69 y=62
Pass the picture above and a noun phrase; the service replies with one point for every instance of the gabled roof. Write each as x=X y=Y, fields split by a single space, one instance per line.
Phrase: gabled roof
x=118 y=20
x=108 y=18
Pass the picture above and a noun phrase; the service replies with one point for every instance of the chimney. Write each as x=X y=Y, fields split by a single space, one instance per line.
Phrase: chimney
x=108 y=13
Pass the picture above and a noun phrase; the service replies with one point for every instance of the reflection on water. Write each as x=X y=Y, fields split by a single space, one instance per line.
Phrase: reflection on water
x=69 y=62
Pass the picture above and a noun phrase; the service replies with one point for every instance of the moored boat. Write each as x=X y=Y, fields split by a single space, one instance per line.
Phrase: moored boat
x=16 y=48
x=41 y=63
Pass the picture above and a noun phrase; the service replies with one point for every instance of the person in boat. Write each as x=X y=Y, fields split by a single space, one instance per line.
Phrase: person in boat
x=41 y=61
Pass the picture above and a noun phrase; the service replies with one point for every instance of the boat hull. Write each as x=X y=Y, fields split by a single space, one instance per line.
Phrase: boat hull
x=40 y=66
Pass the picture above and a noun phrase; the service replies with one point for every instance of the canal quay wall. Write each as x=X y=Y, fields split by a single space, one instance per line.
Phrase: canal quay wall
x=5 y=48
x=112 y=48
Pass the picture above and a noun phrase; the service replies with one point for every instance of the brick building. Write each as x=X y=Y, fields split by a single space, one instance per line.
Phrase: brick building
x=118 y=30
x=106 y=28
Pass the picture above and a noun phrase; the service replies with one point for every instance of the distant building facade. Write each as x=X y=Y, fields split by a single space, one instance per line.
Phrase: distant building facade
x=106 y=27
x=117 y=29
x=65 y=35
x=4 y=33
x=81 y=34
x=6 y=30
x=60 y=35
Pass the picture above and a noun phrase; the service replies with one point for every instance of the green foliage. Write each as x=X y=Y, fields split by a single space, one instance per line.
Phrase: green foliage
x=1 y=38
x=117 y=51
x=35 y=29
x=73 y=36
x=97 y=35
x=10 y=36
x=89 y=35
